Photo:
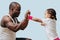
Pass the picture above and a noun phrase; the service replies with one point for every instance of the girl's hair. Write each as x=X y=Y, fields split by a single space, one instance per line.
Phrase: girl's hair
x=52 y=12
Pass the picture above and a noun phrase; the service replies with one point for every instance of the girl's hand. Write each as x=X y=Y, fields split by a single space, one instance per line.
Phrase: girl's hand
x=43 y=24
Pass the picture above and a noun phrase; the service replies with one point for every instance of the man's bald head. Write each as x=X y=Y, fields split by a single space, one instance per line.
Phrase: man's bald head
x=13 y=5
x=14 y=9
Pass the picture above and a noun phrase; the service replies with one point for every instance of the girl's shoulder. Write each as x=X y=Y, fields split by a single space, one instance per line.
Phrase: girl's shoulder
x=48 y=20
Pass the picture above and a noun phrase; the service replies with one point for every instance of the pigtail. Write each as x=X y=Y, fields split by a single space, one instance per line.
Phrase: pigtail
x=55 y=17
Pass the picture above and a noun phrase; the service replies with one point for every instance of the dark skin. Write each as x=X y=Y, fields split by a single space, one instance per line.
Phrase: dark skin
x=6 y=22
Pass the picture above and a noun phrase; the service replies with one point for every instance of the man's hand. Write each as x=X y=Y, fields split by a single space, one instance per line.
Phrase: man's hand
x=27 y=14
x=24 y=23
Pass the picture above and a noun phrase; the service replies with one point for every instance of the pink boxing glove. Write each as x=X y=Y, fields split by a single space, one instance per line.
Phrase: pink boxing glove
x=57 y=39
x=30 y=17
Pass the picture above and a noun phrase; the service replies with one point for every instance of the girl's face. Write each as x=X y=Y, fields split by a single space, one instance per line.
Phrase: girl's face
x=47 y=15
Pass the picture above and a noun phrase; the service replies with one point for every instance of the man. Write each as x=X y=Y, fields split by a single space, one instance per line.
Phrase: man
x=9 y=23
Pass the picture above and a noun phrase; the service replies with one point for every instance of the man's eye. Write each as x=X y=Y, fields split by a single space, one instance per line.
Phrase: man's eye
x=12 y=9
x=18 y=9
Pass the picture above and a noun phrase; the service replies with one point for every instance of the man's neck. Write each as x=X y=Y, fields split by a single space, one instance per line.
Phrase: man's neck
x=11 y=15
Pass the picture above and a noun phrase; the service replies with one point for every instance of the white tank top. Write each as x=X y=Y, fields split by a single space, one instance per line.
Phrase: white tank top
x=7 y=34
x=50 y=28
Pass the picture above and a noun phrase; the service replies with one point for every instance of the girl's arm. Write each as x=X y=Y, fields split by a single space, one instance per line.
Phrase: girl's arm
x=35 y=19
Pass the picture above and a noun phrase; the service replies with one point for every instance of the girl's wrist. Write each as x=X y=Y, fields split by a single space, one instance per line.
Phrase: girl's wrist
x=30 y=17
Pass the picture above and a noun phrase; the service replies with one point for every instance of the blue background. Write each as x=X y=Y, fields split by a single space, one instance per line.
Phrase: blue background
x=37 y=7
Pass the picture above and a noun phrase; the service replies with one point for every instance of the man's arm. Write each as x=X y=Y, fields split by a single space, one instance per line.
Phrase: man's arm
x=24 y=23
x=14 y=27
x=7 y=22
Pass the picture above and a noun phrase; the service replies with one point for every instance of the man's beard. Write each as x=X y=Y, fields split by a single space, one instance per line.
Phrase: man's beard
x=15 y=15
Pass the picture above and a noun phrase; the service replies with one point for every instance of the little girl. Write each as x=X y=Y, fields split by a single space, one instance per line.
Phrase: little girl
x=49 y=23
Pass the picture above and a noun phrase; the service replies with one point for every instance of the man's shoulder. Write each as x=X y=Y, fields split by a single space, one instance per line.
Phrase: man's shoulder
x=5 y=18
